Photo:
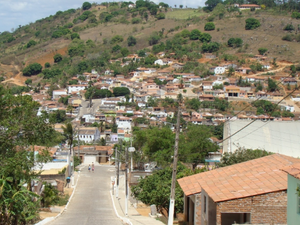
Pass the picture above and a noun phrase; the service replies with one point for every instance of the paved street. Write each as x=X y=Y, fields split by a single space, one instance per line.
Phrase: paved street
x=91 y=204
x=85 y=109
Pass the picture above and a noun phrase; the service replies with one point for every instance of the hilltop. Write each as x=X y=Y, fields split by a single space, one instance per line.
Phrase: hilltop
x=96 y=27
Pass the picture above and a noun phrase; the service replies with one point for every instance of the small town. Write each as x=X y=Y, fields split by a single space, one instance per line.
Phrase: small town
x=149 y=113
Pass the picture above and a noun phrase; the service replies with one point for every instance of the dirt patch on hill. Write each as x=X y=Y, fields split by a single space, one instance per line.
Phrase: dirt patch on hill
x=48 y=57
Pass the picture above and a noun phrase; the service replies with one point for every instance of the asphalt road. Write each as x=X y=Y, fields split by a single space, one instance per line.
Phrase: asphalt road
x=91 y=203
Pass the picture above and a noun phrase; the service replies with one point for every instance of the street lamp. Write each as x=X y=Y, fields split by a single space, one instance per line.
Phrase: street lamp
x=131 y=150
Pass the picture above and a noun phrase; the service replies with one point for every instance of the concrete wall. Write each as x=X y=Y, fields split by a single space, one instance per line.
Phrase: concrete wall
x=293 y=210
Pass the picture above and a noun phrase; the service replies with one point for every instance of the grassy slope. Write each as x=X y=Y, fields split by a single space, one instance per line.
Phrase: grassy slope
x=268 y=35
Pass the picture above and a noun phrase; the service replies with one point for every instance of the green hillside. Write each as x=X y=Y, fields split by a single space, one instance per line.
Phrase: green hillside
x=89 y=37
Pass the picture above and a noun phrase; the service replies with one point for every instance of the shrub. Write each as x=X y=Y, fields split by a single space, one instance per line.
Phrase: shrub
x=131 y=41
x=210 y=47
x=251 y=24
x=209 y=26
x=289 y=27
x=154 y=38
x=287 y=37
x=210 y=18
x=57 y=58
x=160 y=16
x=116 y=48
x=47 y=65
x=296 y=15
x=205 y=37
x=185 y=33
x=116 y=39
x=262 y=50
x=75 y=35
x=31 y=43
x=136 y=20
x=235 y=42
x=195 y=34
x=68 y=25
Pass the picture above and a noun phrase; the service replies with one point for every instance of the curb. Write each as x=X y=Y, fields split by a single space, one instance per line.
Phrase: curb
x=125 y=220
x=49 y=219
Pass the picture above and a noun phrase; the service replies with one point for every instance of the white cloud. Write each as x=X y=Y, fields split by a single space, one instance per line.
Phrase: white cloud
x=18 y=6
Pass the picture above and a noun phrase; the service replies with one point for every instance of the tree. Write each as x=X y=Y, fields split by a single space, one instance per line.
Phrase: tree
x=68 y=133
x=31 y=43
x=131 y=41
x=116 y=39
x=23 y=130
x=47 y=65
x=58 y=116
x=241 y=155
x=289 y=27
x=185 y=33
x=32 y=69
x=262 y=51
x=74 y=36
x=160 y=16
x=57 y=58
x=152 y=102
x=86 y=5
x=92 y=93
x=195 y=145
x=124 y=52
x=272 y=85
x=193 y=104
x=154 y=38
x=195 y=34
x=235 y=42
x=28 y=81
x=209 y=26
x=205 y=37
x=211 y=4
x=252 y=24
x=155 y=189
x=121 y=91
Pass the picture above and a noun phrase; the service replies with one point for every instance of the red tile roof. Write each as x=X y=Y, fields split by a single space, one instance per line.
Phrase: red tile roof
x=293 y=170
x=254 y=177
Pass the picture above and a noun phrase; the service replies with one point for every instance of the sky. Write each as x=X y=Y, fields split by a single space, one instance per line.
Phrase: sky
x=21 y=12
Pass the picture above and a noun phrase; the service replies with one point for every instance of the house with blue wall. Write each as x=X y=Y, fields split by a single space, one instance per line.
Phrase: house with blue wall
x=293 y=194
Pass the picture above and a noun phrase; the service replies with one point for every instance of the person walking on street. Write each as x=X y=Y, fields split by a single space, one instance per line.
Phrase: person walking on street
x=89 y=168
x=93 y=167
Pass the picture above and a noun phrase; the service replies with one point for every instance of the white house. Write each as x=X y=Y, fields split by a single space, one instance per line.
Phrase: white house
x=89 y=118
x=59 y=93
x=219 y=70
x=89 y=134
x=76 y=88
x=124 y=123
x=217 y=82
x=207 y=85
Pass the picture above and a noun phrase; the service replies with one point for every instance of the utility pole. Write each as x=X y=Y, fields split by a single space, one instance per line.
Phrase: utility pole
x=175 y=159
x=118 y=170
x=78 y=144
x=126 y=182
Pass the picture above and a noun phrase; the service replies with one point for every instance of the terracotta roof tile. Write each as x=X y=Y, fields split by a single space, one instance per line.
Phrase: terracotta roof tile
x=255 y=177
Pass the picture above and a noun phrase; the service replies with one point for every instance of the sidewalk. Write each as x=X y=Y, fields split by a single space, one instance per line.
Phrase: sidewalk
x=133 y=217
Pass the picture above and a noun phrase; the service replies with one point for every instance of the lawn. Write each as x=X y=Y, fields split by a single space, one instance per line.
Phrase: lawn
x=183 y=14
